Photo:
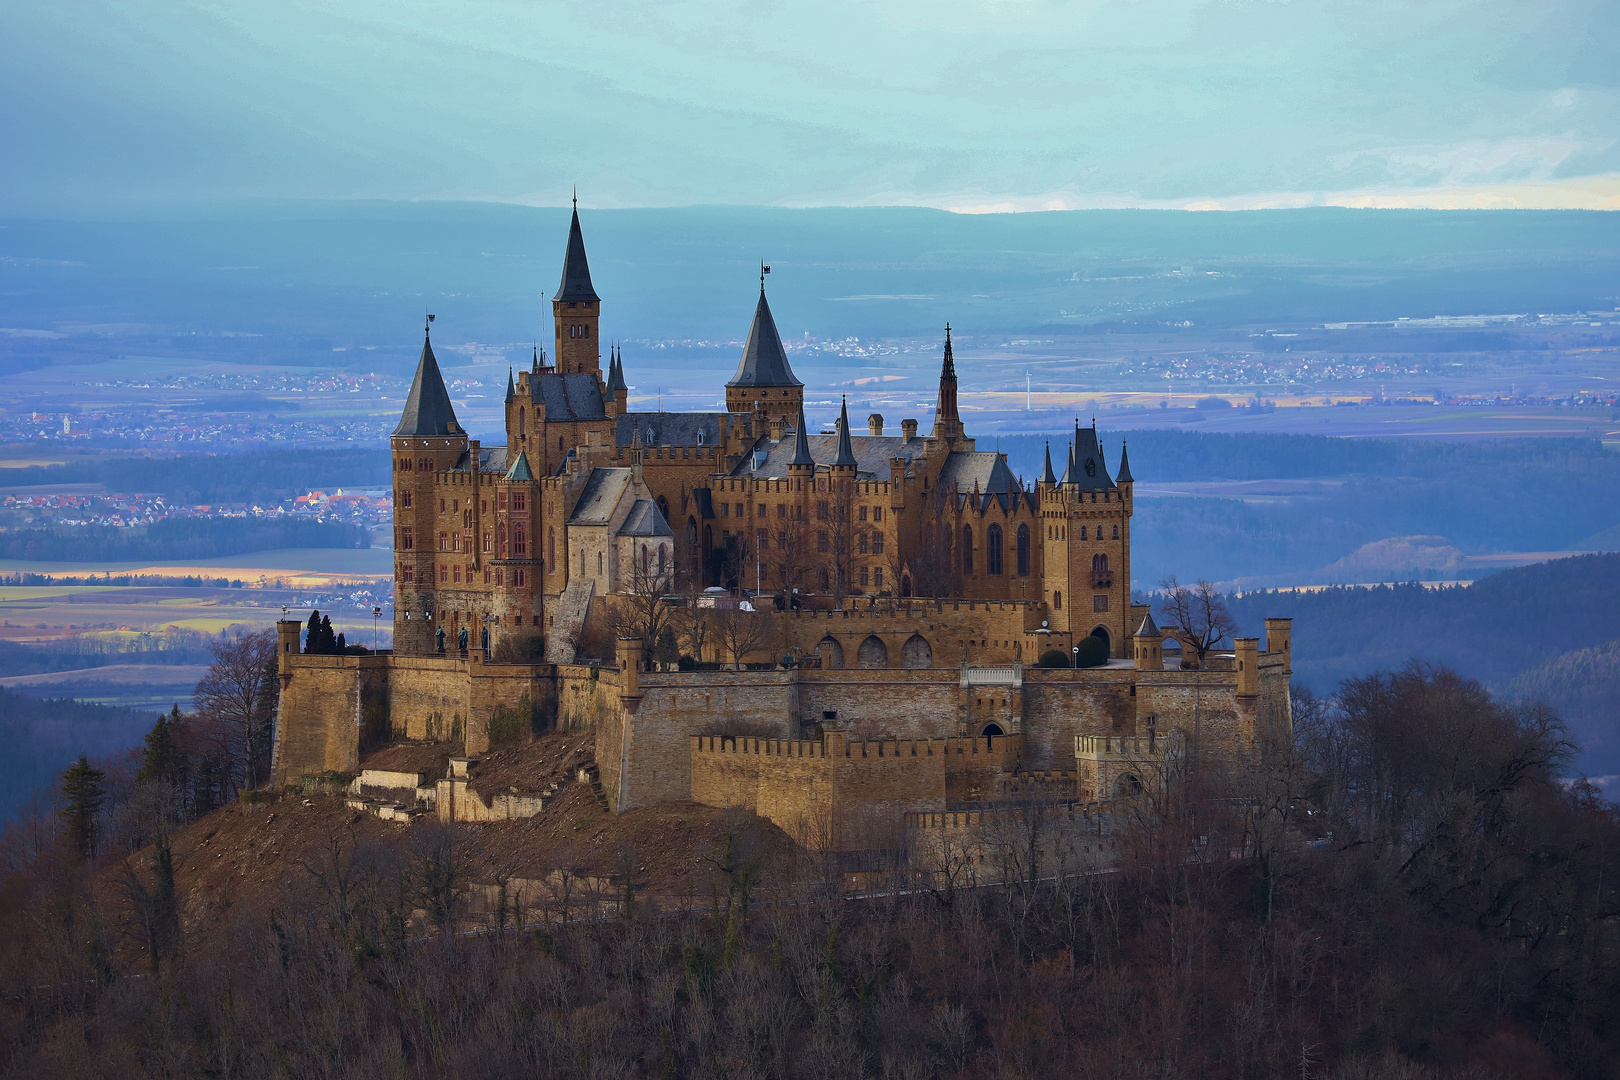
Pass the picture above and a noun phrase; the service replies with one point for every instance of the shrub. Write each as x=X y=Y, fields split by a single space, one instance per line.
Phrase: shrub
x=1093 y=652
x=514 y=649
x=1052 y=658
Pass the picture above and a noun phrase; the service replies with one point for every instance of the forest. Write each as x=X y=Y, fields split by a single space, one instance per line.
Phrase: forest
x=258 y=476
x=1409 y=891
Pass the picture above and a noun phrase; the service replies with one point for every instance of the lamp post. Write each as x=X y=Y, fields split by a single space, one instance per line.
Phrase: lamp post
x=1076 y=652
x=376 y=613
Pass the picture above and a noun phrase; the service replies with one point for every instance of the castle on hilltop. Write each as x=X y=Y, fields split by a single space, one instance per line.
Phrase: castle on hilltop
x=896 y=593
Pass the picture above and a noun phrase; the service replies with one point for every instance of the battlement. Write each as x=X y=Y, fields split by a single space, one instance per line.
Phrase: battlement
x=727 y=744
x=1129 y=747
x=987 y=750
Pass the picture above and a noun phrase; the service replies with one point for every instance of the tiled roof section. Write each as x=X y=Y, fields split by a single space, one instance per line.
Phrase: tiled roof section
x=764 y=361
x=1090 y=472
x=872 y=454
x=1149 y=628
x=492 y=459
x=576 y=275
x=645 y=519
x=569 y=397
x=672 y=428
x=965 y=468
x=602 y=492
x=427 y=407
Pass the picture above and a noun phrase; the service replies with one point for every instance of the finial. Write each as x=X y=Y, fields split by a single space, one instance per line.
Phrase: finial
x=427 y=326
x=763 y=270
x=576 y=196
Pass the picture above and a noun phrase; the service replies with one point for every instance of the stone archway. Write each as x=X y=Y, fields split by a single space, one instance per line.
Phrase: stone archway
x=916 y=653
x=1127 y=785
x=1101 y=634
x=837 y=653
x=872 y=653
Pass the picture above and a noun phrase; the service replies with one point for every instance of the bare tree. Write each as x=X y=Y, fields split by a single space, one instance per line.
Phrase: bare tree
x=742 y=632
x=929 y=556
x=839 y=558
x=240 y=693
x=647 y=606
x=1199 y=612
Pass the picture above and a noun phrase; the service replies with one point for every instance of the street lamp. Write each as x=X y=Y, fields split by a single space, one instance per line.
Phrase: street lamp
x=376 y=613
x=1076 y=652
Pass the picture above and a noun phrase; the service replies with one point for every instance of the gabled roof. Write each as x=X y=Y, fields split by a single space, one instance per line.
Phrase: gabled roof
x=645 y=519
x=492 y=459
x=427 y=407
x=764 y=361
x=568 y=397
x=576 y=274
x=965 y=468
x=520 y=468
x=603 y=489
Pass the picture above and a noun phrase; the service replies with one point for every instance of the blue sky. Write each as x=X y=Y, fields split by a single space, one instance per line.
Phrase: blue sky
x=968 y=106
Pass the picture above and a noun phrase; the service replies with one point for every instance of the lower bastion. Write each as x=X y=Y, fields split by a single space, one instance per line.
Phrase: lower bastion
x=842 y=758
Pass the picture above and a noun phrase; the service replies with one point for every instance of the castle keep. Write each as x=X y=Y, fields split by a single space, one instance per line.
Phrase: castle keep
x=880 y=603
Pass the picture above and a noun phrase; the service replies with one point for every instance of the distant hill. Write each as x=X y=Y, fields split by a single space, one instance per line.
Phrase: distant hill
x=43 y=736
x=176 y=538
x=256 y=477
x=1534 y=631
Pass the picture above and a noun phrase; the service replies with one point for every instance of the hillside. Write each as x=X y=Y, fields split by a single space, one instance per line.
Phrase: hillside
x=1494 y=630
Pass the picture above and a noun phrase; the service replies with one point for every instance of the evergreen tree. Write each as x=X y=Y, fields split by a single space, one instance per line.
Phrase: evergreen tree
x=341 y=643
x=163 y=760
x=82 y=787
x=312 y=633
x=329 y=644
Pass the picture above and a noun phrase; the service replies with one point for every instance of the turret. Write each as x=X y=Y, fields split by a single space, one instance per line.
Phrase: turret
x=845 y=463
x=802 y=464
x=764 y=381
x=1149 y=645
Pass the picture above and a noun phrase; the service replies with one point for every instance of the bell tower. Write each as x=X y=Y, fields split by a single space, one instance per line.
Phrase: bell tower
x=576 y=310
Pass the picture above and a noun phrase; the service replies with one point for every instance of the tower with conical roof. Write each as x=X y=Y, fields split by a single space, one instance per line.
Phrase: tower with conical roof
x=576 y=309
x=427 y=443
x=947 y=421
x=1087 y=535
x=764 y=382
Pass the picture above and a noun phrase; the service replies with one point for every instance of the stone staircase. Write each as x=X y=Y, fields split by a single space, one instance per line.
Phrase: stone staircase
x=569 y=624
x=590 y=774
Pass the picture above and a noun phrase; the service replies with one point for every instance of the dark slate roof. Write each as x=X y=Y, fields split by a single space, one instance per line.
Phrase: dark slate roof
x=672 y=428
x=1124 y=467
x=801 y=442
x=846 y=454
x=603 y=490
x=1047 y=476
x=872 y=454
x=645 y=519
x=1149 y=628
x=568 y=397
x=520 y=468
x=511 y=388
x=764 y=361
x=576 y=275
x=615 y=379
x=987 y=469
x=492 y=459
x=1090 y=471
x=427 y=408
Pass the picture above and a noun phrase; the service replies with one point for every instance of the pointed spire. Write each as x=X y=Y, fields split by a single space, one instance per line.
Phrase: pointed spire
x=520 y=468
x=1149 y=628
x=846 y=451
x=576 y=274
x=801 y=445
x=764 y=361
x=1124 y=466
x=534 y=370
x=616 y=381
x=511 y=387
x=1070 y=473
x=947 y=422
x=1046 y=473
x=949 y=369
x=427 y=407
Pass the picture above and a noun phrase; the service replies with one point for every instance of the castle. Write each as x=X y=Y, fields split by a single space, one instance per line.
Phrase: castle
x=885 y=599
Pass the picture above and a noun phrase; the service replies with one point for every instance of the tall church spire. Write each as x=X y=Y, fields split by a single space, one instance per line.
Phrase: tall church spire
x=947 y=422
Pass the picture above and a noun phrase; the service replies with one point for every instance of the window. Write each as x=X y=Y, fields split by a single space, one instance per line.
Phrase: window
x=519 y=501
x=1099 y=602
x=725 y=509
x=455 y=542
x=992 y=550
x=782 y=540
x=821 y=510
x=444 y=541
x=863 y=575
x=551 y=550
x=455 y=506
x=781 y=511
x=404 y=500
x=821 y=578
x=502 y=501
x=520 y=577
x=1099 y=563
x=1116 y=532
x=500 y=530
x=762 y=540
x=489 y=542
x=520 y=541
x=456 y=570
x=467 y=516
x=444 y=573
x=863 y=513
x=1057 y=600
x=663 y=558
x=862 y=545
x=598 y=562
x=967 y=549
x=406 y=541
x=877 y=576
x=739 y=509
x=441 y=506
x=877 y=543
x=1023 y=551
x=877 y=513
x=408 y=575
x=1082 y=532
x=821 y=541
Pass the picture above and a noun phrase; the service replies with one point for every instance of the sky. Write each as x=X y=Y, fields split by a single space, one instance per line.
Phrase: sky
x=969 y=106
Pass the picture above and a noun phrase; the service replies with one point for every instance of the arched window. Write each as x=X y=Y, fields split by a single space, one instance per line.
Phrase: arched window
x=1116 y=532
x=551 y=551
x=559 y=444
x=967 y=549
x=663 y=507
x=500 y=531
x=663 y=559
x=992 y=550
x=523 y=429
x=1023 y=551
x=646 y=561
x=1057 y=600
x=1082 y=532
x=1099 y=563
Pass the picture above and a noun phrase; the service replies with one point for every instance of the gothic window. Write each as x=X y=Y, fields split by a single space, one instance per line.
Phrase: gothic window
x=877 y=576
x=407 y=541
x=663 y=559
x=992 y=550
x=1057 y=600
x=1082 y=532
x=598 y=562
x=863 y=546
x=821 y=542
x=404 y=500
x=967 y=549
x=663 y=507
x=502 y=502
x=1023 y=551
x=519 y=501
x=467 y=518
x=489 y=542
x=646 y=561
x=523 y=426
x=1116 y=532
x=551 y=550
x=501 y=531
x=444 y=541
x=877 y=543
x=520 y=541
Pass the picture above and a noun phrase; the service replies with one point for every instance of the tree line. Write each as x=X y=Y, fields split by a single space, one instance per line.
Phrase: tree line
x=177 y=538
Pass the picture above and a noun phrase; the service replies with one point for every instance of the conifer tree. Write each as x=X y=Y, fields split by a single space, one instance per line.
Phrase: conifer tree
x=329 y=645
x=341 y=643
x=163 y=760
x=312 y=633
x=82 y=787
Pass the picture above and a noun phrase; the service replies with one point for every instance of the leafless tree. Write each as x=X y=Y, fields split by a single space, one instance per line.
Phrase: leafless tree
x=1199 y=612
x=240 y=693
x=647 y=606
x=929 y=556
x=839 y=558
x=742 y=632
